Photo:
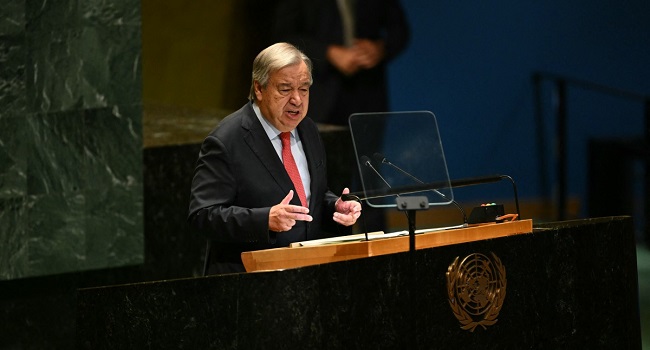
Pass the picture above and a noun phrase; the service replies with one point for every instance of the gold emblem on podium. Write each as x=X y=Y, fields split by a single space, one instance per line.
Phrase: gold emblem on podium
x=476 y=288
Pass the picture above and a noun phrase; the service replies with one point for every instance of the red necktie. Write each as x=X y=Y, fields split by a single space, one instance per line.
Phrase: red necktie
x=290 y=166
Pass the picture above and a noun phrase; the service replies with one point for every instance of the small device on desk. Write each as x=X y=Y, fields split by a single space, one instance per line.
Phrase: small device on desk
x=489 y=212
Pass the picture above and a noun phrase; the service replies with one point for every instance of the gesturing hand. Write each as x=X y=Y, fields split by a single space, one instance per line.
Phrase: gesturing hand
x=347 y=212
x=283 y=216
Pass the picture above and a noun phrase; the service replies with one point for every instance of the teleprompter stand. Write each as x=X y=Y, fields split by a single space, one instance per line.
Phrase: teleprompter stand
x=411 y=205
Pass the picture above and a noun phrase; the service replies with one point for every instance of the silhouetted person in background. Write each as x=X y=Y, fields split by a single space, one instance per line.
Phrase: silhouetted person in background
x=350 y=43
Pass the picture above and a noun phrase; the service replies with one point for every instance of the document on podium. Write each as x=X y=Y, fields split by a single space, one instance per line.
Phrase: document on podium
x=371 y=237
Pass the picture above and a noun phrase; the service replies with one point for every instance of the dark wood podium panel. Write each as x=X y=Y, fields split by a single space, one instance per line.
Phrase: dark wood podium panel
x=565 y=285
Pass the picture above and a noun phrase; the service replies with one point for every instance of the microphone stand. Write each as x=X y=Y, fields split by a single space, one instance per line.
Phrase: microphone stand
x=370 y=194
x=352 y=197
x=382 y=160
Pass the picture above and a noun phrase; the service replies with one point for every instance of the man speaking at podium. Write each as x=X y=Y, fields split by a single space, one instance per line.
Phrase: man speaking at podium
x=260 y=180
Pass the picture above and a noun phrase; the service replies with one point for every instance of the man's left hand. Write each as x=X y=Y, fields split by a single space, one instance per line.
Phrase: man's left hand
x=347 y=212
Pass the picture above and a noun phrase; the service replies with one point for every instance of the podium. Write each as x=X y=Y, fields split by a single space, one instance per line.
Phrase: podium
x=561 y=285
x=356 y=247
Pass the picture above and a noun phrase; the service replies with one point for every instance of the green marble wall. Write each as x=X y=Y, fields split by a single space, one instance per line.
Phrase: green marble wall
x=70 y=136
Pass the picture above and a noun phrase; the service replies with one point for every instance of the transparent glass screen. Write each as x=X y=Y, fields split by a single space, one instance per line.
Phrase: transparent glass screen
x=400 y=154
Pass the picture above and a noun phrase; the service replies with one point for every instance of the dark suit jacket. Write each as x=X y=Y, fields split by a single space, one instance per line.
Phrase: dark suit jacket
x=314 y=25
x=239 y=177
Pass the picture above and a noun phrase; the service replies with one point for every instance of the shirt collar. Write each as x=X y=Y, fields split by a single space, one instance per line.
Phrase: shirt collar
x=271 y=131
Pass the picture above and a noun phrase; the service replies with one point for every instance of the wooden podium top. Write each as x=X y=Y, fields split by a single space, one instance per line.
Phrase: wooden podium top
x=344 y=249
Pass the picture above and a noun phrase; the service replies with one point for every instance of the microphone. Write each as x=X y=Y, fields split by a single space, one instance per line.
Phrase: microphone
x=366 y=161
x=381 y=159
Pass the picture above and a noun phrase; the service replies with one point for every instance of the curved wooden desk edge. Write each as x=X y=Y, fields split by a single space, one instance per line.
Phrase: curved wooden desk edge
x=284 y=258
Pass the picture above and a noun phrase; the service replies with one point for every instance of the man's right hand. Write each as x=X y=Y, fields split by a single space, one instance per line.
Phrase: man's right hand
x=283 y=216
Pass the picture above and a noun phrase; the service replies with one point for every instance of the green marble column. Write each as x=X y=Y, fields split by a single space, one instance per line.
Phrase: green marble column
x=70 y=136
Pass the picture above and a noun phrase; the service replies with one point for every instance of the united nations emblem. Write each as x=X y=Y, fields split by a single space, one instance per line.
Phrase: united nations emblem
x=476 y=288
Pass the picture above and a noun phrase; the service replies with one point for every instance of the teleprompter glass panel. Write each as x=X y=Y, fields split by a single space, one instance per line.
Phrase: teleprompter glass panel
x=400 y=154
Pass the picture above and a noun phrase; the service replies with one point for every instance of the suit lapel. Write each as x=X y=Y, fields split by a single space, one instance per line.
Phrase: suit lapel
x=258 y=141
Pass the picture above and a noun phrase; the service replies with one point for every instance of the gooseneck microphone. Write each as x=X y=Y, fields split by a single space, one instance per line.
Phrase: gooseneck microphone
x=366 y=161
x=381 y=159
